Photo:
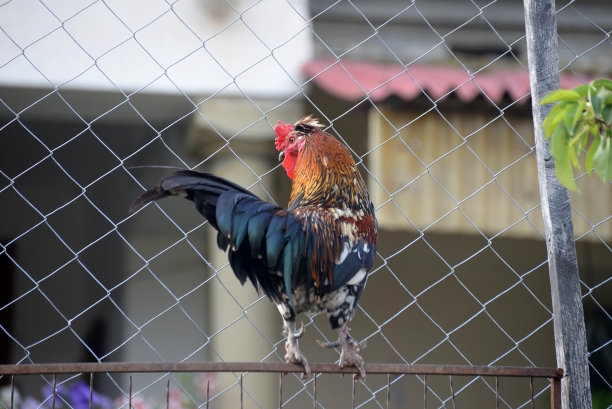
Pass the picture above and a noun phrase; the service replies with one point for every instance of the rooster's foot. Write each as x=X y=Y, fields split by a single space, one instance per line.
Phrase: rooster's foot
x=349 y=355
x=294 y=355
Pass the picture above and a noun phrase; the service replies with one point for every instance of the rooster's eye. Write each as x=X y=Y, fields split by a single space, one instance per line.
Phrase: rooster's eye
x=292 y=139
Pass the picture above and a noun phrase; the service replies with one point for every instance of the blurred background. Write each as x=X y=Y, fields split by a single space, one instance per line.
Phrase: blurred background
x=97 y=97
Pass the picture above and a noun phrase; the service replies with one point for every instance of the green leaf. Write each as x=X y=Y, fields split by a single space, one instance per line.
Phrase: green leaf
x=559 y=147
x=578 y=114
x=591 y=152
x=574 y=157
x=582 y=90
x=602 y=160
x=569 y=115
x=560 y=95
x=559 y=142
x=583 y=133
x=597 y=100
x=606 y=115
x=588 y=112
x=576 y=140
x=554 y=117
x=603 y=83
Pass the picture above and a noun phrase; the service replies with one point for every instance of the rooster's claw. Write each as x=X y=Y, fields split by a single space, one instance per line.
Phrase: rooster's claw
x=298 y=334
x=349 y=351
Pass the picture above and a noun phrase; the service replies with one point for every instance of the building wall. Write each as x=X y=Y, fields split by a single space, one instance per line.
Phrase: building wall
x=466 y=173
x=456 y=33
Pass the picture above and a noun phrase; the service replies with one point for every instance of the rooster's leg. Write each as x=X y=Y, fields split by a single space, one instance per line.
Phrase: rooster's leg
x=348 y=355
x=293 y=355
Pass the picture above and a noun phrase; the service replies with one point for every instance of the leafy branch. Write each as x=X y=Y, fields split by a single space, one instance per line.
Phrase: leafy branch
x=581 y=117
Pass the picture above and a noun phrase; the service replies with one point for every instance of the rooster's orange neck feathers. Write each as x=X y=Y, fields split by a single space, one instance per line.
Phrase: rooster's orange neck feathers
x=325 y=173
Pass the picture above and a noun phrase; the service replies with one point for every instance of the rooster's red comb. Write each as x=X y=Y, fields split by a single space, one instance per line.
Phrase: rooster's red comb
x=282 y=130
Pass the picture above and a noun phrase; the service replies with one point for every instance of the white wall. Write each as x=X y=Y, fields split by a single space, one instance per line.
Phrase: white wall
x=195 y=46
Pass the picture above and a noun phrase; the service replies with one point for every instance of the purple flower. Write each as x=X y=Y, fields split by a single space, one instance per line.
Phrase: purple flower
x=79 y=397
x=60 y=395
x=29 y=403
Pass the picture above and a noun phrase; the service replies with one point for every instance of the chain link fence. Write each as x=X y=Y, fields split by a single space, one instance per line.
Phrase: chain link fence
x=100 y=99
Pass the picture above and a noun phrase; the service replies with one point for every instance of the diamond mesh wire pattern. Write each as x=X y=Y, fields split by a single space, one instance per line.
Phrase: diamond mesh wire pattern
x=95 y=91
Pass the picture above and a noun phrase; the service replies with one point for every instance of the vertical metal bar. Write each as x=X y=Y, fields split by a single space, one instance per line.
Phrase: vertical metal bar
x=53 y=395
x=497 y=392
x=91 y=375
x=353 y=394
x=568 y=314
x=207 y=392
x=130 y=394
x=12 y=390
x=450 y=377
x=241 y=401
x=388 y=389
x=168 y=394
x=555 y=393
x=425 y=391
x=314 y=391
x=531 y=389
x=280 y=390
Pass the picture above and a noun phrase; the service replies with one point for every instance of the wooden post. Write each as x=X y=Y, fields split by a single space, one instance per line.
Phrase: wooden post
x=570 y=335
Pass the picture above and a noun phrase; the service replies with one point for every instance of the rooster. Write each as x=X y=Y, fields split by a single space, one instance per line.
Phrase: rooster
x=313 y=256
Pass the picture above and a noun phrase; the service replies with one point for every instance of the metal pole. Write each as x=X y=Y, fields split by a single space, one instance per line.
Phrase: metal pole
x=555 y=393
x=381 y=369
x=570 y=335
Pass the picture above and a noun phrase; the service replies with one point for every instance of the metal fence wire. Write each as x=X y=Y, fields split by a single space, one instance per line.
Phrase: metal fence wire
x=100 y=99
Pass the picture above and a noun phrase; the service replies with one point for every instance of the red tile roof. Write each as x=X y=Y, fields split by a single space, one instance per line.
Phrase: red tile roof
x=353 y=80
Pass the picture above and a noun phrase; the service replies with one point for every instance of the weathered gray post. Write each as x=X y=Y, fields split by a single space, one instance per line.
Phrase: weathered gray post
x=570 y=336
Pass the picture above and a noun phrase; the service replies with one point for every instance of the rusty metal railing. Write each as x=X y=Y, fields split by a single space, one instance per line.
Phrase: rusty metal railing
x=553 y=374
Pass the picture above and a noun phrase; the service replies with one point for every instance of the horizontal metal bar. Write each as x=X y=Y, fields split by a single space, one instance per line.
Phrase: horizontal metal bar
x=136 y=367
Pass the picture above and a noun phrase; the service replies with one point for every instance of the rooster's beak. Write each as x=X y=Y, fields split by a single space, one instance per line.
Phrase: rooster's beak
x=281 y=156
